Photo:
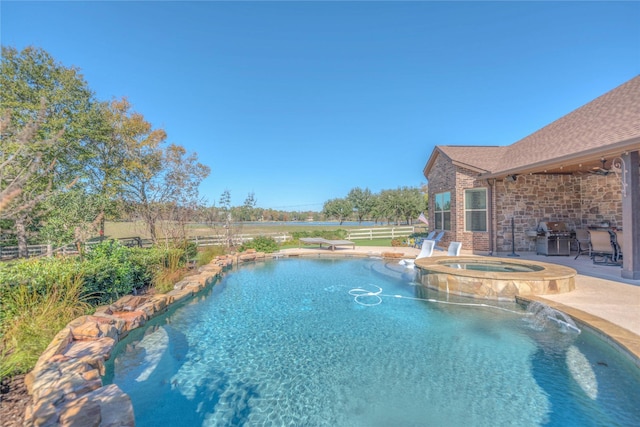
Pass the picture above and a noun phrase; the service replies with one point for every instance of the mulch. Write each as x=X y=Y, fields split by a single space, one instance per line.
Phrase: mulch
x=13 y=401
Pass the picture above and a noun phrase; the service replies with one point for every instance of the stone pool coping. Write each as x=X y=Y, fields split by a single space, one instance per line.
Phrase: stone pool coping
x=66 y=384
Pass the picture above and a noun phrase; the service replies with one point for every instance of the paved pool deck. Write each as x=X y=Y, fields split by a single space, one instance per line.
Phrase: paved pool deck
x=602 y=300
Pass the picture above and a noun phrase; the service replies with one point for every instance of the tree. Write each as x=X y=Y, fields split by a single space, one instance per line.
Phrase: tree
x=402 y=204
x=389 y=205
x=46 y=109
x=339 y=209
x=154 y=177
x=412 y=203
x=181 y=180
x=362 y=201
x=225 y=209
x=103 y=169
x=72 y=216
x=248 y=207
x=25 y=180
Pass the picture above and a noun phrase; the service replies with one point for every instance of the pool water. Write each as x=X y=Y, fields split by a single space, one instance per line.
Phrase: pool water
x=334 y=342
x=499 y=267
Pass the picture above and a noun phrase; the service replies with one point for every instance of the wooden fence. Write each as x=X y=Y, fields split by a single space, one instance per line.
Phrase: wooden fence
x=10 y=252
x=380 y=233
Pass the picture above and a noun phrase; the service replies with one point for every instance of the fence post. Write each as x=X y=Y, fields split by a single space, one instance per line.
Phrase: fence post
x=49 y=250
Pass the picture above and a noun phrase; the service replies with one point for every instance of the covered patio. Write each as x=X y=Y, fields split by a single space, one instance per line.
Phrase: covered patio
x=597 y=192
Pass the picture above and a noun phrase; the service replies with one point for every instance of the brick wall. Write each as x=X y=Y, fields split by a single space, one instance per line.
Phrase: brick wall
x=443 y=177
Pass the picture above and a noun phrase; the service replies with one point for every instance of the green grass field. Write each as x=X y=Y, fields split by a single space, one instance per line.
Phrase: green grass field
x=117 y=230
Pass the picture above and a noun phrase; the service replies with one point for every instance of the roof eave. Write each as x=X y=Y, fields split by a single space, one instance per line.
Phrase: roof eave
x=432 y=159
x=470 y=167
x=615 y=149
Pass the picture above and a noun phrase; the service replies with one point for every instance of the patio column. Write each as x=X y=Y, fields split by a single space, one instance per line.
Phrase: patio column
x=631 y=217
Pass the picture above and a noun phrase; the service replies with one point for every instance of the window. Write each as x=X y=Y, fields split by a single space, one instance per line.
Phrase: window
x=475 y=209
x=443 y=211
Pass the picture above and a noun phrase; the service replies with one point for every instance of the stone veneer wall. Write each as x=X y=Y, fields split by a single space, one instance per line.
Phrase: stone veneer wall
x=577 y=200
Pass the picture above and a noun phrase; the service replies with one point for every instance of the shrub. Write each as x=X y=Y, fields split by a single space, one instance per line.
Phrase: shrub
x=108 y=271
x=165 y=279
x=206 y=254
x=261 y=244
x=172 y=266
x=39 y=296
x=421 y=234
x=36 y=315
x=146 y=264
x=396 y=242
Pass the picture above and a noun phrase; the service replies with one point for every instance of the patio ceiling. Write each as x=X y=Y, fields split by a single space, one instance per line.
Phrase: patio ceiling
x=574 y=165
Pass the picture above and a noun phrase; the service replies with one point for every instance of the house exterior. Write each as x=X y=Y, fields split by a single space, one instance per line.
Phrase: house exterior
x=582 y=169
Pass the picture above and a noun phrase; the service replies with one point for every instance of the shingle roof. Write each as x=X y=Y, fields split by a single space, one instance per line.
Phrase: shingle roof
x=611 y=121
x=476 y=157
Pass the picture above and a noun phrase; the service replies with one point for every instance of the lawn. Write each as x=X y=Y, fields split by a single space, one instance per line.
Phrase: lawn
x=122 y=229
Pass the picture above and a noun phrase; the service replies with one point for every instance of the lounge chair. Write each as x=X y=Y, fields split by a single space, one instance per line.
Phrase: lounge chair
x=331 y=244
x=419 y=240
x=437 y=239
x=426 y=251
x=583 y=241
x=454 y=248
x=602 y=247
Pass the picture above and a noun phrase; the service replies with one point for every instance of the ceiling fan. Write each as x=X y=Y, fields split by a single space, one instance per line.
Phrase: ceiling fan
x=600 y=170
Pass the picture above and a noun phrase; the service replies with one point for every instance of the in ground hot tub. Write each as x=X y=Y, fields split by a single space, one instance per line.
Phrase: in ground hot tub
x=494 y=278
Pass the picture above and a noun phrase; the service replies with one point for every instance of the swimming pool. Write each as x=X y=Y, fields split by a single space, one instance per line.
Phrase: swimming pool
x=356 y=343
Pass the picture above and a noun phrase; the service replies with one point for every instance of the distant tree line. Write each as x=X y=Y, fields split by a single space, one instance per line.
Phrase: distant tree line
x=402 y=205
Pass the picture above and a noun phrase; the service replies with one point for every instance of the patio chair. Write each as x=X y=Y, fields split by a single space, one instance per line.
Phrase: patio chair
x=426 y=251
x=602 y=247
x=419 y=240
x=619 y=242
x=583 y=241
x=437 y=239
x=454 y=248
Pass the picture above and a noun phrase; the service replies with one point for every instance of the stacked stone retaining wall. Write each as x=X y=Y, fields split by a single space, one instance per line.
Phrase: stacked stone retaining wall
x=66 y=383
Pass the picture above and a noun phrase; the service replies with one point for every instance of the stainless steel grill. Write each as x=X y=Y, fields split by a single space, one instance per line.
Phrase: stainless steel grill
x=553 y=238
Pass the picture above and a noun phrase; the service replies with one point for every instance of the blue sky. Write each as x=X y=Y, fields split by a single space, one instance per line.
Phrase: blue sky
x=299 y=102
